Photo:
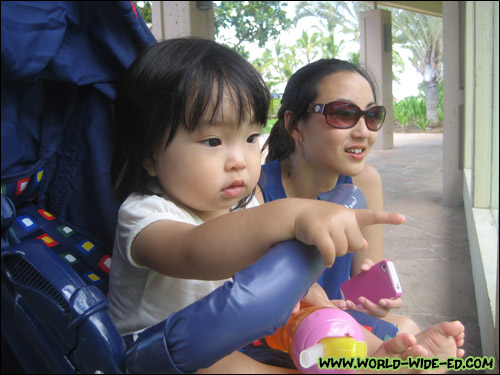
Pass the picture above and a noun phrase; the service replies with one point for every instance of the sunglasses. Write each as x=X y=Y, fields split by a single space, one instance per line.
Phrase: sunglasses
x=344 y=115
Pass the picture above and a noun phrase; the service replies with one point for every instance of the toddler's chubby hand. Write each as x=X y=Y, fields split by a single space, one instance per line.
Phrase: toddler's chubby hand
x=335 y=229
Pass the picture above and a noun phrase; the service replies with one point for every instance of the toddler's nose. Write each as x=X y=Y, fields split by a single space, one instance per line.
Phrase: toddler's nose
x=235 y=159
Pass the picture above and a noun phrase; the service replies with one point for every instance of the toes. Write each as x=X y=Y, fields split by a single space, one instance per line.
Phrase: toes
x=452 y=328
x=399 y=343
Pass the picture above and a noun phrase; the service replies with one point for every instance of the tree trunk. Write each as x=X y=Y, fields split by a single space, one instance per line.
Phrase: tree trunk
x=432 y=102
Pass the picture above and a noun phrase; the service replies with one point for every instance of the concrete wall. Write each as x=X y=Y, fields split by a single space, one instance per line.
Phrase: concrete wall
x=480 y=160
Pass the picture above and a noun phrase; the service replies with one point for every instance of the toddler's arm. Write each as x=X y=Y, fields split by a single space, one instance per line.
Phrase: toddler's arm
x=224 y=245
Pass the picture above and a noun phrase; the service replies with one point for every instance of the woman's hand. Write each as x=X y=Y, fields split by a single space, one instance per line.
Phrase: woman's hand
x=379 y=310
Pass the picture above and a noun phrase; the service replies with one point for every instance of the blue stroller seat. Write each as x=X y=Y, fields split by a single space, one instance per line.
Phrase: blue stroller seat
x=60 y=65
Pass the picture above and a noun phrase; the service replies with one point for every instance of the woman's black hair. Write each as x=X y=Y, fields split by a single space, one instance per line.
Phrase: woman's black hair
x=300 y=91
x=171 y=84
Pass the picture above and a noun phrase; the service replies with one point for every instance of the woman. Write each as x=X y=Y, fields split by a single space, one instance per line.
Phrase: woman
x=327 y=124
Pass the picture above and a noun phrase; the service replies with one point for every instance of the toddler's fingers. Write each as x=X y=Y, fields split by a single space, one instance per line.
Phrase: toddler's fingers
x=355 y=239
x=326 y=247
x=340 y=303
x=371 y=217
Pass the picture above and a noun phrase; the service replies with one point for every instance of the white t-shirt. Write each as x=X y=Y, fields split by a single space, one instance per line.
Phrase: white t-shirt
x=140 y=297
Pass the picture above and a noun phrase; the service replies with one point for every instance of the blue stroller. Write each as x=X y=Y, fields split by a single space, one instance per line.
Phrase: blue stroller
x=60 y=65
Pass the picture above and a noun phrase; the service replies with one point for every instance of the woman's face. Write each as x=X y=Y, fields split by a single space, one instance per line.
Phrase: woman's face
x=331 y=150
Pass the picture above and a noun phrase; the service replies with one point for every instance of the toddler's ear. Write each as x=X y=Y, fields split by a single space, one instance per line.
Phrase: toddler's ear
x=149 y=166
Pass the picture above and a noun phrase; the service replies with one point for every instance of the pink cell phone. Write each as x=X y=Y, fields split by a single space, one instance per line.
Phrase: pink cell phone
x=381 y=281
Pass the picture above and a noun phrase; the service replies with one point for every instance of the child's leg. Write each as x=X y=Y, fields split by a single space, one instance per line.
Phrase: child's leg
x=393 y=347
x=239 y=363
x=401 y=346
x=404 y=323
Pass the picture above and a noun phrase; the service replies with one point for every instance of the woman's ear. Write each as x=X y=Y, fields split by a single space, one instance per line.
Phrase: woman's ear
x=149 y=166
x=292 y=126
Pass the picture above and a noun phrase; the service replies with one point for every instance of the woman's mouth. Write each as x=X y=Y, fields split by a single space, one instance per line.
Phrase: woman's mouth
x=357 y=153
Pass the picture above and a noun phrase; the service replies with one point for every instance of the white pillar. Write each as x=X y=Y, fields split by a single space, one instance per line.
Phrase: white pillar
x=173 y=19
x=453 y=98
x=376 y=56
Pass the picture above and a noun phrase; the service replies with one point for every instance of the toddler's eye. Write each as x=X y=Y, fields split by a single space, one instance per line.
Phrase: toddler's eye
x=212 y=142
x=252 y=138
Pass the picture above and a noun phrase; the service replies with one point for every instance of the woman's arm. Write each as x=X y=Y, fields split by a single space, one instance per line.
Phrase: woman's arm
x=224 y=245
x=370 y=183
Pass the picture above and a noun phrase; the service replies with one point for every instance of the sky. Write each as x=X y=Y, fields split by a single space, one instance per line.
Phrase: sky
x=411 y=77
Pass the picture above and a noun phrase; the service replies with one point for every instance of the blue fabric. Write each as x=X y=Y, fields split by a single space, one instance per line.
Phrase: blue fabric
x=272 y=188
x=60 y=65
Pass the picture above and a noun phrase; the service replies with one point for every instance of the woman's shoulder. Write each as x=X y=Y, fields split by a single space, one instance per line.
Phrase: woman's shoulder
x=271 y=169
x=368 y=176
x=370 y=182
x=270 y=181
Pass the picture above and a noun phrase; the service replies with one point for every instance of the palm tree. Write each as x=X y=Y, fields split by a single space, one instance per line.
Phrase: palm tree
x=277 y=65
x=329 y=48
x=422 y=35
x=334 y=13
x=308 y=44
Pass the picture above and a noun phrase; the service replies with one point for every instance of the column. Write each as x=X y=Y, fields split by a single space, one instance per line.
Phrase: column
x=173 y=19
x=376 y=56
x=453 y=99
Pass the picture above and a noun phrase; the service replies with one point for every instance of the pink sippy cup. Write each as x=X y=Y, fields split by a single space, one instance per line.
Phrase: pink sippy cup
x=315 y=332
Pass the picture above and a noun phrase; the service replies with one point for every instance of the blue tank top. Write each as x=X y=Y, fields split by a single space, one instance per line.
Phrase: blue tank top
x=272 y=189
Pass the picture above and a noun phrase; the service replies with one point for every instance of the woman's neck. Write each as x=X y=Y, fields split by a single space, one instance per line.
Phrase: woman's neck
x=301 y=180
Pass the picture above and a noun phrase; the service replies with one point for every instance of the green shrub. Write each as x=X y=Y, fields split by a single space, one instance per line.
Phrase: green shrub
x=270 y=123
x=411 y=110
x=274 y=107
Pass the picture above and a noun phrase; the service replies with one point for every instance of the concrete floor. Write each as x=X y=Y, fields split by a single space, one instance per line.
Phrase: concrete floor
x=430 y=250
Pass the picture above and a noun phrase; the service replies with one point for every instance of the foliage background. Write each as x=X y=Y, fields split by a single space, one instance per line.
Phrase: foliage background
x=239 y=24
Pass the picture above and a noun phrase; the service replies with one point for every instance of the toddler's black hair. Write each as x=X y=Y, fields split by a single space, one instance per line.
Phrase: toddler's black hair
x=171 y=84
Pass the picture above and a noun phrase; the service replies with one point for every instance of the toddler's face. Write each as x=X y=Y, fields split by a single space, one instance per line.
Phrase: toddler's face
x=212 y=168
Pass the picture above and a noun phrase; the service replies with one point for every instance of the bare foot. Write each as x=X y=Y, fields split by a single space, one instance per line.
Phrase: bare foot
x=443 y=340
x=401 y=346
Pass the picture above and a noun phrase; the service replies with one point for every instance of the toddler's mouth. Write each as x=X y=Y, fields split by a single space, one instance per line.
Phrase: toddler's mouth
x=235 y=189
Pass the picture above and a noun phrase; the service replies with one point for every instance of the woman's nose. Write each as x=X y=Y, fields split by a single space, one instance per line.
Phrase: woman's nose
x=360 y=129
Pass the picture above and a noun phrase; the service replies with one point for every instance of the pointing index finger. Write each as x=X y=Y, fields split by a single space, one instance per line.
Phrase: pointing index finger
x=371 y=217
